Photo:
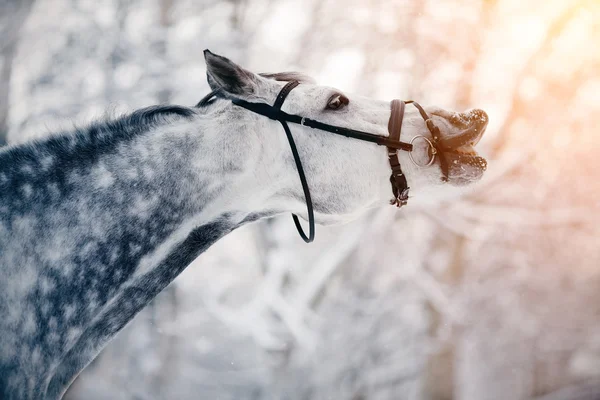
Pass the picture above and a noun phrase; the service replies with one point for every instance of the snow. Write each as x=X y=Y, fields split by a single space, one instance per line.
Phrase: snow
x=493 y=295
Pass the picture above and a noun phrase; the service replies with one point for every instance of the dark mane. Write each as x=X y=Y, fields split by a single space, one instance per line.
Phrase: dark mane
x=98 y=137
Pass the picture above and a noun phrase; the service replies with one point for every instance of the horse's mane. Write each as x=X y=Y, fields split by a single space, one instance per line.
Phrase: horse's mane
x=101 y=135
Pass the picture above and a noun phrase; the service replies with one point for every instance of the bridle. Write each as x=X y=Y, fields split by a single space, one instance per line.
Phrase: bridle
x=393 y=143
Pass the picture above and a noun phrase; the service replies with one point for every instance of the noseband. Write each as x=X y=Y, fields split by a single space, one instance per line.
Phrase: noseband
x=392 y=142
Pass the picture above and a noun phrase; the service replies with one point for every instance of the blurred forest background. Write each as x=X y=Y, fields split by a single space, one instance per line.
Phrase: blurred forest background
x=494 y=296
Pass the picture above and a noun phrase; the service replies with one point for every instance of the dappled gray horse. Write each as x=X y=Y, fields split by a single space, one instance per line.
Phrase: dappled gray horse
x=95 y=222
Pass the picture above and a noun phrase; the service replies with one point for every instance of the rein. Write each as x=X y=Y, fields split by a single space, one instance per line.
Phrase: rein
x=393 y=143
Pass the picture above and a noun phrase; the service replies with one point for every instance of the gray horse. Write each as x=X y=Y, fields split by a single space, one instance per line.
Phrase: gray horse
x=95 y=222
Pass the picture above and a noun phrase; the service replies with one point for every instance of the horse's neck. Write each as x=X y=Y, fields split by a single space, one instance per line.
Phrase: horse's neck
x=93 y=226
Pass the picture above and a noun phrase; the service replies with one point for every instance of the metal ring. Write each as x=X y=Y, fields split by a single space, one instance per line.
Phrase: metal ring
x=431 y=146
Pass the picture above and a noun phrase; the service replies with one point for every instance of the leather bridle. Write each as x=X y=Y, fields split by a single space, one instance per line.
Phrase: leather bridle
x=393 y=143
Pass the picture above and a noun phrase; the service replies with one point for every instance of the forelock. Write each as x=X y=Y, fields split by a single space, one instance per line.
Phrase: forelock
x=290 y=76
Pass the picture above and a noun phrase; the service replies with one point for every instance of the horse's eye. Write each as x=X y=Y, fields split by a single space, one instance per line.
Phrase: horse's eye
x=337 y=101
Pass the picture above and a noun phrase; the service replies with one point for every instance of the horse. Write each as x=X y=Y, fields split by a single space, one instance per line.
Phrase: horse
x=96 y=221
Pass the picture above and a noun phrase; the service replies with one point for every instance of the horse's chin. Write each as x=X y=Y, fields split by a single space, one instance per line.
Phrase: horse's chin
x=464 y=168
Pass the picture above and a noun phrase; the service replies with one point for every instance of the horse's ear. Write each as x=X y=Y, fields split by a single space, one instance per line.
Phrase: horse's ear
x=226 y=76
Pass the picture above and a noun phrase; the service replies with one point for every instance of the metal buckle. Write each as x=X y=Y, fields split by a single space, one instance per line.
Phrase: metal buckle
x=431 y=147
x=401 y=199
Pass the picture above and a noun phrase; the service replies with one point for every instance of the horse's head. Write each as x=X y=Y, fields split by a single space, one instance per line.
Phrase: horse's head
x=350 y=173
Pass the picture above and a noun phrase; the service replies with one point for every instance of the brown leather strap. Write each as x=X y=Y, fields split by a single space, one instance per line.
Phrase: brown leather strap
x=397 y=179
